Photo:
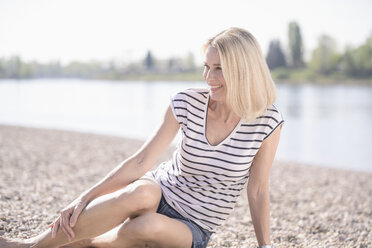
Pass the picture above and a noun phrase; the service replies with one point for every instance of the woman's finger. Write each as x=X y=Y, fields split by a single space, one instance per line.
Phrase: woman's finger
x=53 y=222
x=62 y=224
x=76 y=214
x=66 y=222
x=55 y=228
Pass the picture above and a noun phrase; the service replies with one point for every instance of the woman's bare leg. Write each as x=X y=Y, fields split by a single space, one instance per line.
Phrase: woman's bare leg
x=147 y=230
x=106 y=212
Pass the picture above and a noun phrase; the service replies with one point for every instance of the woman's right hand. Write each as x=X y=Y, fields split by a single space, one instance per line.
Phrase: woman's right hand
x=68 y=218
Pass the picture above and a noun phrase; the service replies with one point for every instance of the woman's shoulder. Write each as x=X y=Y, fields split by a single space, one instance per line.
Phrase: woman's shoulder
x=193 y=94
x=273 y=110
x=273 y=115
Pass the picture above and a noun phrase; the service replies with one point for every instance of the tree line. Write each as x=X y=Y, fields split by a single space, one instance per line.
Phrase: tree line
x=325 y=62
x=15 y=68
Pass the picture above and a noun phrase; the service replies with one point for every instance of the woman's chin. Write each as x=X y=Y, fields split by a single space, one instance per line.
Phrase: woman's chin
x=217 y=96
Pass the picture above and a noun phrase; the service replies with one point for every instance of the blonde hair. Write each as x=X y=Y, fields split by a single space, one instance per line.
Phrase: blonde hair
x=250 y=88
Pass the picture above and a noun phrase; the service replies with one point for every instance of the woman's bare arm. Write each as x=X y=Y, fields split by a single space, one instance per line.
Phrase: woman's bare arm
x=125 y=173
x=258 y=187
x=138 y=164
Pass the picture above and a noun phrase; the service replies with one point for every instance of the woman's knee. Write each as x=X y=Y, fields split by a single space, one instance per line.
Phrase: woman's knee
x=141 y=195
x=156 y=230
x=145 y=228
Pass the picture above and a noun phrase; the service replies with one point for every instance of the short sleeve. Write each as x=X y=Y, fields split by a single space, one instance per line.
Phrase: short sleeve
x=274 y=119
x=179 y=108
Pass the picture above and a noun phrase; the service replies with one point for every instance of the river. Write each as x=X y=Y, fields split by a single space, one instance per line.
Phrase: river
x=325 y=125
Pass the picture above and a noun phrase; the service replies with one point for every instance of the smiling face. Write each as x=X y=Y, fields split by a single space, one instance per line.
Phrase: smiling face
x=213 y=75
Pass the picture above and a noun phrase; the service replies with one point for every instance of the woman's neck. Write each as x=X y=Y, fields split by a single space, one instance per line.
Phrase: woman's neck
x=219 y=110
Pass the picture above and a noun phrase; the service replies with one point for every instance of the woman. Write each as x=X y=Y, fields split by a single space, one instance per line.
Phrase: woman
x=229 y=134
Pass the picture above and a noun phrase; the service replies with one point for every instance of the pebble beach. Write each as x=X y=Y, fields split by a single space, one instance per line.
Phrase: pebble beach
x=42 y=171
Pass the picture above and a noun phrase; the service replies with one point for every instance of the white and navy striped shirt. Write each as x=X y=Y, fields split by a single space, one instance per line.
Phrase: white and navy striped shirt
x=202 y=181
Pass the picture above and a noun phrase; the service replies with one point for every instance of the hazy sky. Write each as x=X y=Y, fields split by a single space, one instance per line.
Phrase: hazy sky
x=68 y=30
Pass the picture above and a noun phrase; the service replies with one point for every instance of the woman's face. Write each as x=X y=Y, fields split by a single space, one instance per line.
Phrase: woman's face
x=213 y=75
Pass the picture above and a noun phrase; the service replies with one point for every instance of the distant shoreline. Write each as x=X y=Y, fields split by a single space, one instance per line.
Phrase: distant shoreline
x=190 y=77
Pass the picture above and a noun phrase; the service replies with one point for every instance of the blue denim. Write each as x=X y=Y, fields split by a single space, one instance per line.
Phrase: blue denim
x=200 y=237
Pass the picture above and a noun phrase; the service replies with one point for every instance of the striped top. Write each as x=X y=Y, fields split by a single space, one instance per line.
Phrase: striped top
x=203 y=181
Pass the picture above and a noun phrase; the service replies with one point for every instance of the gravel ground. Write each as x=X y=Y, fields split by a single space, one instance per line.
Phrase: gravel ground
x=41 y=171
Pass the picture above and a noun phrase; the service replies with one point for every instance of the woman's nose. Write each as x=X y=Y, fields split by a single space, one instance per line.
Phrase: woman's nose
x=210 y=75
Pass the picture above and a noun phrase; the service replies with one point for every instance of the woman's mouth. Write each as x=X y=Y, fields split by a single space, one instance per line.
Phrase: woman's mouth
x=215 y=88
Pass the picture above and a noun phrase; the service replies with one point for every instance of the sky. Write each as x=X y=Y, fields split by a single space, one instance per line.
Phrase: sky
x=121 y=30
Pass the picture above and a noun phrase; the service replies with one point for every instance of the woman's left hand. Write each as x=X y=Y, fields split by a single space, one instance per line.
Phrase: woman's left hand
x=69 y=217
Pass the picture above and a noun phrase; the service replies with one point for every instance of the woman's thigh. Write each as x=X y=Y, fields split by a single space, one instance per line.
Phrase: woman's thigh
x=154 y=230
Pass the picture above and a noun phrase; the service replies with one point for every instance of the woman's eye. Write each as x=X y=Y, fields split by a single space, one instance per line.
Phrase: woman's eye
x=218 y=68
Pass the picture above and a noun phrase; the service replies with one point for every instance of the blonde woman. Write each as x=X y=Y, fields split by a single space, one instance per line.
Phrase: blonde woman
x=230 y=133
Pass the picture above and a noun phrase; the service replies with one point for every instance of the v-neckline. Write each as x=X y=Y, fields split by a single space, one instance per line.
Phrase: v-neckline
x=205 y=127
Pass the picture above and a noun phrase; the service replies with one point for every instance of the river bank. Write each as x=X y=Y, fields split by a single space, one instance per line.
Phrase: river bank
x=44 y=170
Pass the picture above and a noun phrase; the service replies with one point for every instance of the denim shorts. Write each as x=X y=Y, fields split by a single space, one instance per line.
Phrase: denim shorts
x=200 y=237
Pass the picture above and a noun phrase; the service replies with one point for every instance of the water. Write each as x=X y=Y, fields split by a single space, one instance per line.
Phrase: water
x=325 y=125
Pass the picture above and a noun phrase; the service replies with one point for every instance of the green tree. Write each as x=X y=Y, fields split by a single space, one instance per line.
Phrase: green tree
x=149 y=61
x=170 y=64
x=296 y=48
x=2 y=68
x=275 y=57
x=13 y=67
x=190 y=62
x=325 y=58
x=348 y=63
x=363 y=58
